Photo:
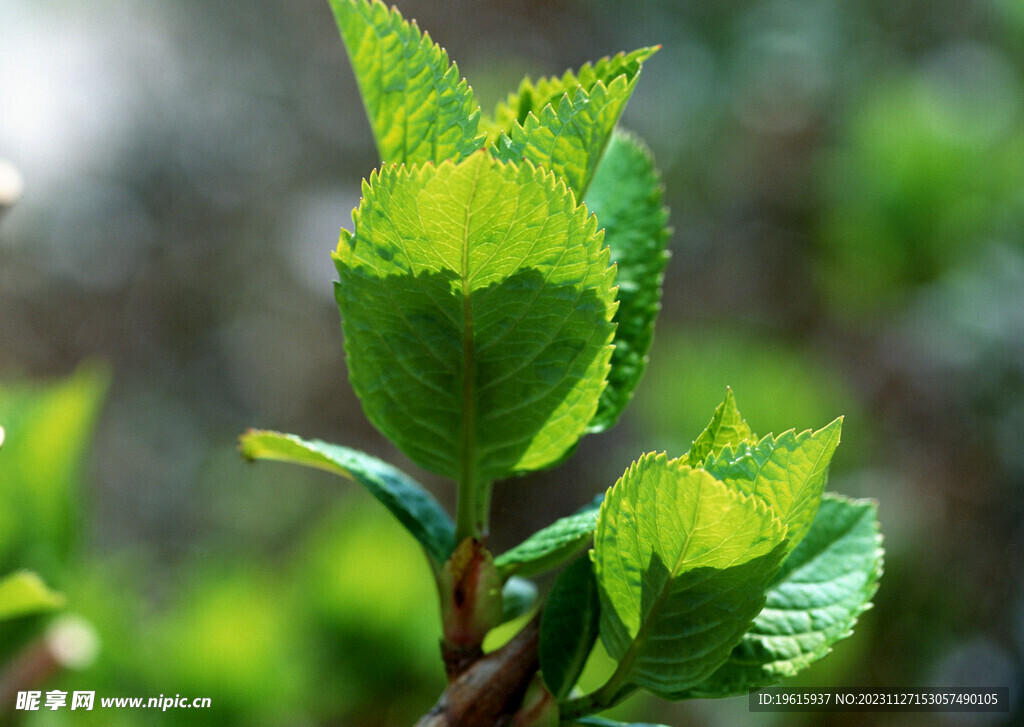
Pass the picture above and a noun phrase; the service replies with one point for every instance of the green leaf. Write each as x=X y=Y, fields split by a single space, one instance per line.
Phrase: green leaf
x=626 y=197
x=568 y=626
x=824 y=585
x=419 y=109
x=48 y=427
x=532 y=96
x=476 y=303
x=682 y=562
x=550 y=547
x=23 y=593
x=727 y=427
x=518 y=596
x=788 y=472
x=414 y=507
x=569 y=131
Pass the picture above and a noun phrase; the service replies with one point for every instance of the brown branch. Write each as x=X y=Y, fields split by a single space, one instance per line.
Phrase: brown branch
x=33 y=666
x=489 y=692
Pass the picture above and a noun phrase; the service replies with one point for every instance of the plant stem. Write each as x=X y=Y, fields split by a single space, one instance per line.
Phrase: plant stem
x=611 y=693
x=489 y=692
x=473 y=505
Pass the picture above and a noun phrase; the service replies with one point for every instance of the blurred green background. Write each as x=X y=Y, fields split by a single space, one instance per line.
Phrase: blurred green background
x=846 y=183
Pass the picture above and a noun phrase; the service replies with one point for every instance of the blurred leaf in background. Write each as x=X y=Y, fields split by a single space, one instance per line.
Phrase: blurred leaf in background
x=47 y=431
x=926 y=171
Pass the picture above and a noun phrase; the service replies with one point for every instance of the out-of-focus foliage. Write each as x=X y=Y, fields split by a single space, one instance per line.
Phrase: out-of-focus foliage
x=23 y=592
x=47 y=430
x=926 y=171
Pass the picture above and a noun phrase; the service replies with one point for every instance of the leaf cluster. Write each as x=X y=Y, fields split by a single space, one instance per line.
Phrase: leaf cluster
x=498 y=293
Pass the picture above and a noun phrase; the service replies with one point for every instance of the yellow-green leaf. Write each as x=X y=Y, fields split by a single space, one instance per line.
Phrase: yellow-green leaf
x=682 y=563
x=476 y=301
x=24 y=592
x=419 y=108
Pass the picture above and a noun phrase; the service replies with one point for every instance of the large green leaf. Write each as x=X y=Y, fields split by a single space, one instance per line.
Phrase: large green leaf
x=414 y=507
x=824 y=585
x=476 y=302
x=626 y=197
x=23 y=592
x=418 y=107
x=788 y=472
x=682 y=562
x=553 y=545
x=569 y=131
x=726 y=427
x=568 y=626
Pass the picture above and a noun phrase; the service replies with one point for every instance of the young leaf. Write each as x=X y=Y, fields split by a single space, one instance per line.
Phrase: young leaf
x=727 y=427
x=626 y=197
x=552 y=546
x=682 y=563
x=824 y=585
x=418 y=107
x=788 y=472
x=476 y=303
x=568 y=133
x=414 y=507
x=568 y=626
x=23 y=592
x=532 y=96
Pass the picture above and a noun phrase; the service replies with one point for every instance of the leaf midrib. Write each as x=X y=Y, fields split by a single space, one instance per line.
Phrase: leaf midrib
x=647 y=620
x=468 y=420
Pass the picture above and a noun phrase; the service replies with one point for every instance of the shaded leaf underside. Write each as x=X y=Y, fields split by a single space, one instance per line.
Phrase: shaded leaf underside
x=626 y=196
x=568 y=627
x=551 y=545
x=412 y=505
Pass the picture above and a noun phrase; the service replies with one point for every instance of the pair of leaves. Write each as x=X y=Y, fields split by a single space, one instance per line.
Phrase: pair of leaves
x=715 y=580
x=813 y=602
x=437 y=313
x=421 y=110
